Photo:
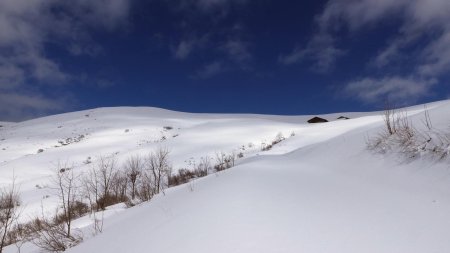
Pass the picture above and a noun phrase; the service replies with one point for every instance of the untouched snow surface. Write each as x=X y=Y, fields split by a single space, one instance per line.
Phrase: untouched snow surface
x=318 y=191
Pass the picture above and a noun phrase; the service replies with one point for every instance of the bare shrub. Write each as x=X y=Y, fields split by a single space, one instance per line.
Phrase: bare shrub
x=9 y=213
x=183 y=176
x=51 y=236
x=389 y=117
x=268 y=146
x=77 y=209
x=220 y=162
x=427 y=120
x=401 y=136
x=224 y=161
x=279 y=138
x=204 y=166
x=98 y=223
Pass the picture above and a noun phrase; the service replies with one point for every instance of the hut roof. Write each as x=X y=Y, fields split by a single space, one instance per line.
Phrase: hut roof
x=317 y=120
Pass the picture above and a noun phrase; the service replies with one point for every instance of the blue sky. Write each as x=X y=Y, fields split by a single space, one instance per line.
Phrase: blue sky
x=237 y=56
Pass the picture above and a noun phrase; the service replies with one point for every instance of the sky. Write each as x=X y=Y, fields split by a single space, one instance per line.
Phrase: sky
x=221 y=56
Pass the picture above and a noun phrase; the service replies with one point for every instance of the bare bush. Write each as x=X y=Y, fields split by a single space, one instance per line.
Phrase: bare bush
x=268 y=146
x=98 y=223
x=427 y=119
x=401 y=136
x=279 y=138
x=183 y=176
x=389 y=117
x=51 y=236
x=204 y=166
x=224 y=161
x=220 y=161
x=9 y=213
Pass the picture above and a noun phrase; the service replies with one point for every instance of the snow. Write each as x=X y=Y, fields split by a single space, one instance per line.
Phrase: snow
x=318 y=191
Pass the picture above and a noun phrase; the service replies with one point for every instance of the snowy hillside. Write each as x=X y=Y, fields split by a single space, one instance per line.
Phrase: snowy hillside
x=318 y=190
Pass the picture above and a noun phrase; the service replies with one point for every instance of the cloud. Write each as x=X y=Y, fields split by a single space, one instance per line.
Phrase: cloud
x=187 y=46
x=238 y=55
x=26 y=27
x=218 y=8
x=320 y=48
x=238 y=52
x=423 y=25
x=436 y=56
x=210 y=70
x=395 y=88
x=210 y=4
x=418 y=18
x=11 y=75
x=16 y=106
x=184 y=49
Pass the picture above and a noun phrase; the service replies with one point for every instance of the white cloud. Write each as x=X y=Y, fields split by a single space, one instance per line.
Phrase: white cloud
x=422 y=24
x=396 y=88
x=418 y=18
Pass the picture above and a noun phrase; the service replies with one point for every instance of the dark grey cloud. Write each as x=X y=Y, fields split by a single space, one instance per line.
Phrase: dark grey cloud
x=26 y=27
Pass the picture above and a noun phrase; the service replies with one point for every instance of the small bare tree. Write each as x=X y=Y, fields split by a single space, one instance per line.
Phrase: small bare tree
x=55 y=233
x=107 y=171
x=133 y=167
x=119 y=187
x=9 y=202
x=157 y=170
x=160 y=168
x=67 y=186
x=98 y=182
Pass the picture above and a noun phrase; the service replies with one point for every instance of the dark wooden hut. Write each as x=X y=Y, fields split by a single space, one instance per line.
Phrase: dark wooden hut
x=317 y=120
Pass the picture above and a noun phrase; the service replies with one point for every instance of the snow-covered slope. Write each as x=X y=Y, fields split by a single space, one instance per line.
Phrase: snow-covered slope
x=318 y=191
